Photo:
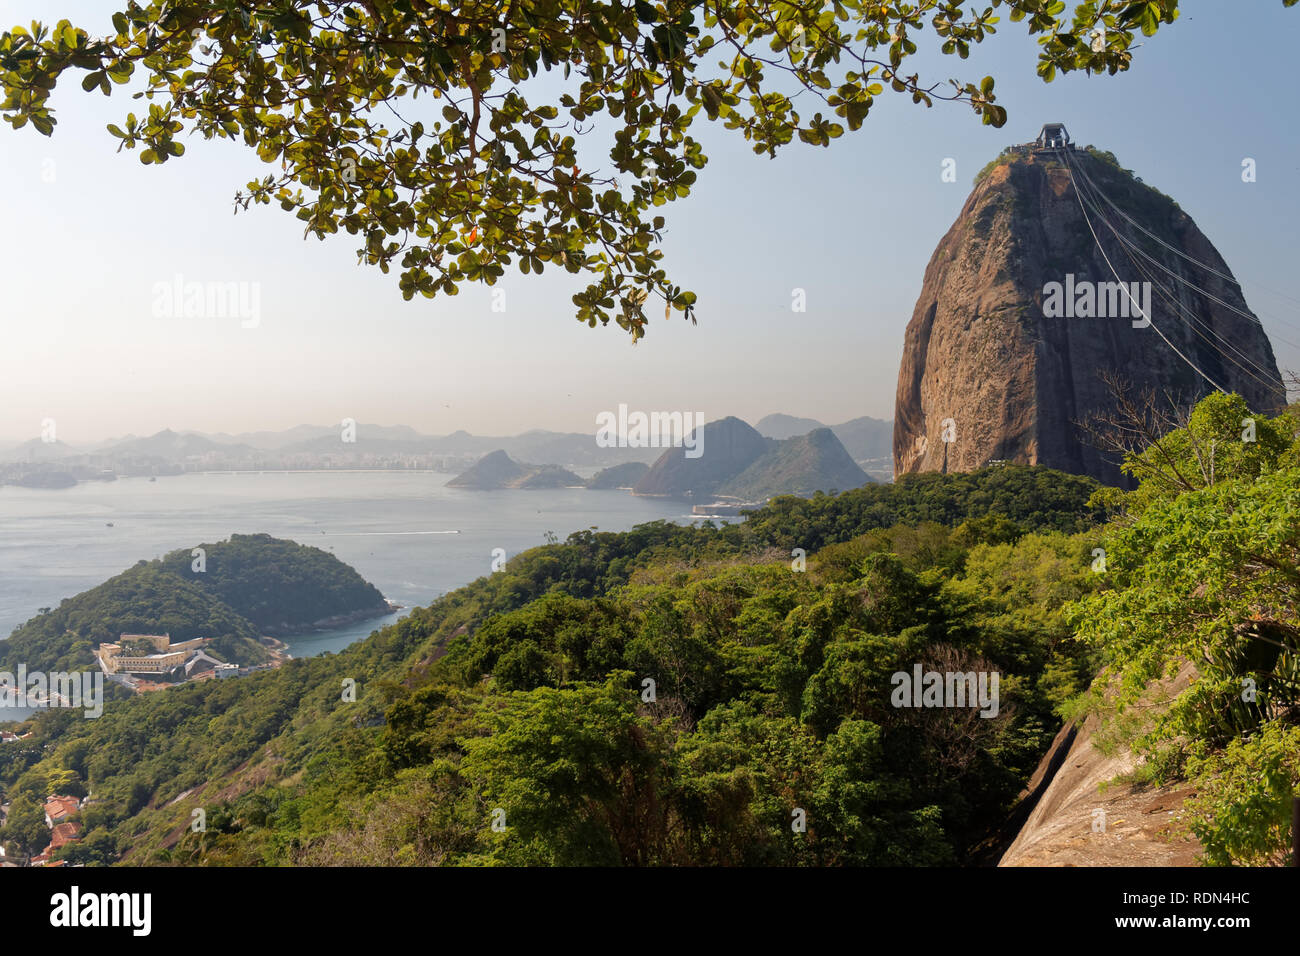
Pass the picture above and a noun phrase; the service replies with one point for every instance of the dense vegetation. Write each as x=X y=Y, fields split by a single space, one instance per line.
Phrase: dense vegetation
x=619 y=476
x=1033 y=498
x=281 y=586
x=524 y=692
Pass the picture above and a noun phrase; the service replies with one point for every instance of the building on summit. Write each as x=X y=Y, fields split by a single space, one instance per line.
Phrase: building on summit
x=1053 y=136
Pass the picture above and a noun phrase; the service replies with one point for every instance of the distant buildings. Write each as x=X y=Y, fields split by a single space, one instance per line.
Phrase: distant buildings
x=124 y=657
x=203 y=665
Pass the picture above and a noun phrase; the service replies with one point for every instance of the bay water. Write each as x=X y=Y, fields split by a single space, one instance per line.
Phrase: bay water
x=404 y=531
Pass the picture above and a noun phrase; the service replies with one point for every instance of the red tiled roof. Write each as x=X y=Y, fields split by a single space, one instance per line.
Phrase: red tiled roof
x=57 y=807
x=64 y=833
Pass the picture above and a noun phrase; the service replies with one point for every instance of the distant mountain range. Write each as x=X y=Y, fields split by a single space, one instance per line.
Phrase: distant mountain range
x=735 y=462
x=499 y=470
x=37 y=463
x=570 y=448
x=801 y=465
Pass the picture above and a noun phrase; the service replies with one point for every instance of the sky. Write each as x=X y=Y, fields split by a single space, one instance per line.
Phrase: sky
x=86 y=234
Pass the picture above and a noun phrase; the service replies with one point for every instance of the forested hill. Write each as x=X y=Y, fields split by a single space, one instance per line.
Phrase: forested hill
x=249 y=586
x=281 y=586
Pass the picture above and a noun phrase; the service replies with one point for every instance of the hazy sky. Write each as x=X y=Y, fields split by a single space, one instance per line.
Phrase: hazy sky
x=87 y=233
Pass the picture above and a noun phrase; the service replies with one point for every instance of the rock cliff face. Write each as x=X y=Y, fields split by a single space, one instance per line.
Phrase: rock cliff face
x=999 y=364
x=1079 y=811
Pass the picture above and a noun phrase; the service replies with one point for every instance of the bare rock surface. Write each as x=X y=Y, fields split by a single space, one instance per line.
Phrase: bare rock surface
x=1141 y=824
x=986 y=368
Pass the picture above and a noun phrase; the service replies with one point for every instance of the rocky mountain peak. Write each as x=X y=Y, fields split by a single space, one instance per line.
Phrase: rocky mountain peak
x=1064 y=269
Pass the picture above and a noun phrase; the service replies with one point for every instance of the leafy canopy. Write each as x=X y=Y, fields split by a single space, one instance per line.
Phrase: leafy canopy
x=1202 y=567
x=409 y=123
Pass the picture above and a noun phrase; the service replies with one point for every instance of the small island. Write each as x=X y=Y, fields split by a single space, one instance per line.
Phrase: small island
x=229 y=599
x=499 y=470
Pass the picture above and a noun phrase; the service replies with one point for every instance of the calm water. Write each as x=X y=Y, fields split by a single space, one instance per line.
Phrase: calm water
x=391 y=526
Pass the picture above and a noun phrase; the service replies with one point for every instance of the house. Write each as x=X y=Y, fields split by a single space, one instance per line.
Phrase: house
x=65 y=833
x=60 y=836
x=60 y=809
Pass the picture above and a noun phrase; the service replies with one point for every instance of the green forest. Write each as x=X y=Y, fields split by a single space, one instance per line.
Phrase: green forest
x=722 y=695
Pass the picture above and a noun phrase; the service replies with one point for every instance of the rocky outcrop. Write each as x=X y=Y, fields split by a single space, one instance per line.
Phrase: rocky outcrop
x=990 y=372
x=494 y=470
x=1080 y=810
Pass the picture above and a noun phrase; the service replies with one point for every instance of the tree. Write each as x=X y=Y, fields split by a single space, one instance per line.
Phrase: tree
x=579 y=774
x=24 y=829
x=491 y=179
x=1172 y=443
